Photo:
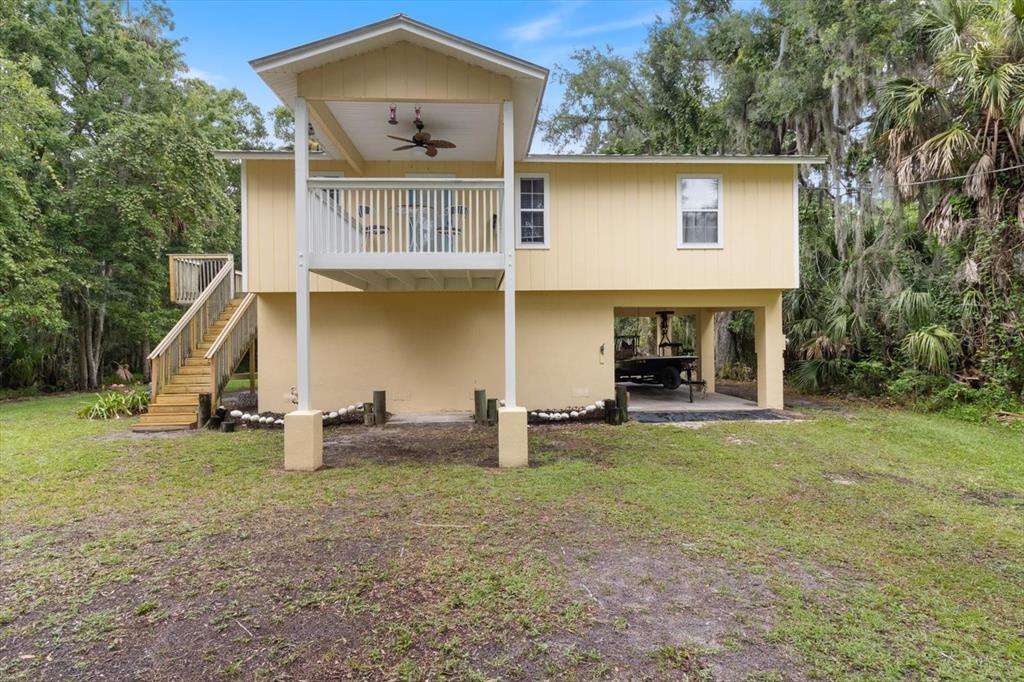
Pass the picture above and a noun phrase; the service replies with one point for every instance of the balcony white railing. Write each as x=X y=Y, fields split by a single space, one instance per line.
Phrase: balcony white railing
x=406 y=217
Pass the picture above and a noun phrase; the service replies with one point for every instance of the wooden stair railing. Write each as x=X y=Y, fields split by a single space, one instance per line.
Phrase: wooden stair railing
x=231 y=344
x=180 y=343
x=191 y=273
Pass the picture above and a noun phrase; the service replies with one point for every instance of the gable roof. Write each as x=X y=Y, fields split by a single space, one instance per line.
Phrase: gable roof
x=280 y=70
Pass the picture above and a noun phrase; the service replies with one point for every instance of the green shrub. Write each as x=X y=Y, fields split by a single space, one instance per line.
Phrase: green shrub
x=736 y=371
x=121 y=402
x=973 y=404
x=820 y=374
x=913 y=384
x=868 y=377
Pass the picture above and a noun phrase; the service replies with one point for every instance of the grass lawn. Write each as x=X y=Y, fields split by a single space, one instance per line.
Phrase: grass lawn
x=864 y=544
x=238 y=383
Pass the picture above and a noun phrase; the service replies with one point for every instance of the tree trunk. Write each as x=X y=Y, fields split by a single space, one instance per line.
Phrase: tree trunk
x=83 y=362
x=146 y=368
x=838 y=227
x=725 y=345
x=90 y=340
x=85 y=331
x=95 y=361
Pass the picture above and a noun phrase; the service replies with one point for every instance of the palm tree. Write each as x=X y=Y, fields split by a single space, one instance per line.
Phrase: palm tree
x=952 y=138
x=963 y=119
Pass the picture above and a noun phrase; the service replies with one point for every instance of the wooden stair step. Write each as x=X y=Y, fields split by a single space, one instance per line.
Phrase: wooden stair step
x=187 y=370
x=180 y=399
x=195 y=361
x=165 y=408
x=184 y=389
x=195 y=386
x=167 y=420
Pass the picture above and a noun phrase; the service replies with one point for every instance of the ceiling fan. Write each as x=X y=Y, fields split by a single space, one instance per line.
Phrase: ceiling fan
x=422 y=139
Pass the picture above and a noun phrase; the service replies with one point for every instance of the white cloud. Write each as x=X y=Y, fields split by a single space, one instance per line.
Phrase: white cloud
x=557 y=24
x=612 y=26
x=211 y=78
x=542 y=27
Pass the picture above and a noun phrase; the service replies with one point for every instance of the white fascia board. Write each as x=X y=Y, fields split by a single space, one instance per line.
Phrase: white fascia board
x=402 y=24
x=261 y=155
x=709 y=160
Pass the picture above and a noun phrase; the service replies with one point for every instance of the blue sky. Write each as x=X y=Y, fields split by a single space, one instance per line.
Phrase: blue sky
x=221 y=36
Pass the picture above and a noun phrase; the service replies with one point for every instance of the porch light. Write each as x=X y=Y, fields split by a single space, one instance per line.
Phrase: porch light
x=393 y=117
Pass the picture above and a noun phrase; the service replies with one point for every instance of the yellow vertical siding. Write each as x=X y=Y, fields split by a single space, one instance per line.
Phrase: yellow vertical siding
x=612 y=226
x=271 y=213
x=404 y=71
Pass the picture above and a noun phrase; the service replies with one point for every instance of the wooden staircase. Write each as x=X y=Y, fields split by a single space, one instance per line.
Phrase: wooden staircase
x=176 y=405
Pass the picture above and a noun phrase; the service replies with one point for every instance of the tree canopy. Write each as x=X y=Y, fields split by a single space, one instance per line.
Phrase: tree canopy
x=912 y=242
x=106 y=166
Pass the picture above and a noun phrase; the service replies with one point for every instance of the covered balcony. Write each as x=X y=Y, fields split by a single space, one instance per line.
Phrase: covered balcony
x=407 y=234
x=424 y=129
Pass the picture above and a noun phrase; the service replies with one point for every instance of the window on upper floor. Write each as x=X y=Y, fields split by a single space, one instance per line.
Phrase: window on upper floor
x=699 y=211
x=532 y=223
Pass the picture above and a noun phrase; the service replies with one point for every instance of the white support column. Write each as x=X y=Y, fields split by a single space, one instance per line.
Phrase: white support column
x=244 y=191
x=303 y=427
x=302 y=254
x=512 y=442
x=509 y=242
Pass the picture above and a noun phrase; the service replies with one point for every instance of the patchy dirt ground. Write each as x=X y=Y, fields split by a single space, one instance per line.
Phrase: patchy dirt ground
x=837 y=548
x=375 y=587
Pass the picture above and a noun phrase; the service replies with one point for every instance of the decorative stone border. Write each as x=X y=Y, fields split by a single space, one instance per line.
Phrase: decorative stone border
x=592 y=412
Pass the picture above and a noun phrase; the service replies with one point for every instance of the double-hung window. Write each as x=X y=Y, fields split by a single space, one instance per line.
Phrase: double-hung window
x=699 y=211
x=532 y=224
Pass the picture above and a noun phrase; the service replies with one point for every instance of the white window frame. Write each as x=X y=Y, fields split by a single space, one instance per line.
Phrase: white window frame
x=680 y=244
x=546 y=244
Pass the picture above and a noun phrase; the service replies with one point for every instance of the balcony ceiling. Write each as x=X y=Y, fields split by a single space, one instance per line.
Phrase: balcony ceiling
x=418 y=280
x=472 y=127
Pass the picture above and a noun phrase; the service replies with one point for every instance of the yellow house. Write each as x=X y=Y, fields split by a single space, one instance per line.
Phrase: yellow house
x=424 y=251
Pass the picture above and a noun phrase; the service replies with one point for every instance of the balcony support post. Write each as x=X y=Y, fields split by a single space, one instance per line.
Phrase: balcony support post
x=770 y=345
x=512 y=446
x=706 y=347
x=303 y=428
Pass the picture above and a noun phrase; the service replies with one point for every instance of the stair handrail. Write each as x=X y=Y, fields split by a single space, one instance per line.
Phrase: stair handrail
x=190 y=273
x=181 y=341
x=235 y=340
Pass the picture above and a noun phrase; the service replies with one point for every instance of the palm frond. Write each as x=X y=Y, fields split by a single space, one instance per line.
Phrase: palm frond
x=939 y=153
x=912 y=308
x=947 y=23
x=941 y=222
x=995 y=87
x=819 y=374
x=931 y=348
x=977 y=183
x=903 y=105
